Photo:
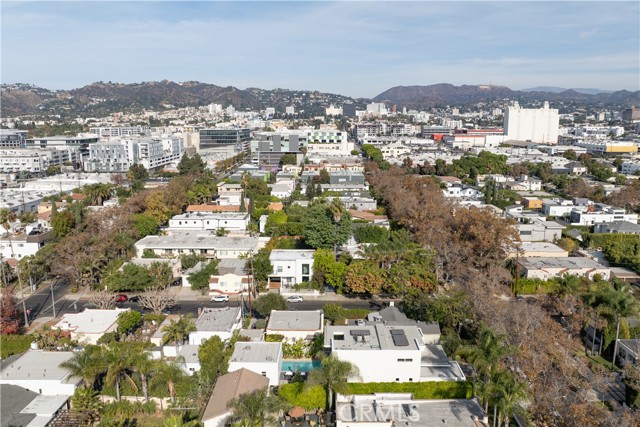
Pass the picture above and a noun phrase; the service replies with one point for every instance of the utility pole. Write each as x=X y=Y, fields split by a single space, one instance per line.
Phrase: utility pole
x=53 y=299
x=24 y=304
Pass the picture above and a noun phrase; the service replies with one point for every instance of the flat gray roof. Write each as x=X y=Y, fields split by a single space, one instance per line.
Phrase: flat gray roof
x=373 y=336
x=212 y=215
x=39 y=365
x=307 y=320
x=218 y=319
x=198 y=240
x=291 y=254
x=190 y=353
x=256 y=352
x=231 y=266
x=400 y=408
x=539 y=263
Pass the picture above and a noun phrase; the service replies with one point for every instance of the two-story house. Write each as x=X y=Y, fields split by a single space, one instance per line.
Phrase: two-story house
x=290 y=266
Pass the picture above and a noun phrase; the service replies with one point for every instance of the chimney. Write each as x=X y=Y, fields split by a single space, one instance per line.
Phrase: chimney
x=392 y=303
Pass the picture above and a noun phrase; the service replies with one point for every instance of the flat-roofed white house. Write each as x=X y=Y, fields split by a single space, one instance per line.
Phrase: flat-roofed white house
x=539 y=249
x=199 y=243
x=231 y=277
x=400 y=349
x=222 y=322
x=263 y=358
x=290 y=266
x=295 y=325
x=547 y=267
x=39 y=371
x=90 y=324
x=210 y=221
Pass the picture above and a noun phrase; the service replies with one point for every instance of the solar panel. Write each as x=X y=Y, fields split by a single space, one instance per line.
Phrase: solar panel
x=359 y=332
x=397 y=332
x=400 y=340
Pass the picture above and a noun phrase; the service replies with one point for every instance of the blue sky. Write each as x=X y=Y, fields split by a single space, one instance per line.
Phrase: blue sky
x=352 y=48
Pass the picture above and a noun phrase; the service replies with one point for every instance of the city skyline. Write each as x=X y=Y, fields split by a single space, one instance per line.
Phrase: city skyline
x=358 y=49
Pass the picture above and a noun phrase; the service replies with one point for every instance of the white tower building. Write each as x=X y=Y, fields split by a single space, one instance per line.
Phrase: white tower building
x=539 y=125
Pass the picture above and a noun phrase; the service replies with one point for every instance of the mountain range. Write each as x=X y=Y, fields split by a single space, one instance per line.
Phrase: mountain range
x=102 y=98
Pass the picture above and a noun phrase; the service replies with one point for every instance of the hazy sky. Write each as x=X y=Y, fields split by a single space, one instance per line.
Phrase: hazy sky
x=352 y=48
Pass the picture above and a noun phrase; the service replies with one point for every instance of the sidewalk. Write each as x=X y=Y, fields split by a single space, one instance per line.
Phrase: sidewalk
x=38 y=323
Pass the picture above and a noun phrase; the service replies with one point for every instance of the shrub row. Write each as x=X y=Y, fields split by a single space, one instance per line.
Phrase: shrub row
x=420 y=390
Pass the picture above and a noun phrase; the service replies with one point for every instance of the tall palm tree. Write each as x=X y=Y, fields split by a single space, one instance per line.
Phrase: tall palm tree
x=116 y=362
x=141 y=363
x=333 y=374
x=86 y=364
x=255 y=409
x=509 y=391
x=168 y=374
x=177 y=331
x=337 y=211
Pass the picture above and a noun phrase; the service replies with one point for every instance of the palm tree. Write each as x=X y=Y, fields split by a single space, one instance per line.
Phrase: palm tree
x=86 y=365
x=115 y=362
x=168 y=374
x=333 y=375
x=337 y=211
x=509 y=391
x=142 y=364
x=255 y=409
x=177 y=331
x=485 y=357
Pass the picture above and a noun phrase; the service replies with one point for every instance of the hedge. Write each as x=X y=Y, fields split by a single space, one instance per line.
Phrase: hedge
x=420 y=390
x=296 y=394
x=355 y=313
x=536 y=286
x=14 y=344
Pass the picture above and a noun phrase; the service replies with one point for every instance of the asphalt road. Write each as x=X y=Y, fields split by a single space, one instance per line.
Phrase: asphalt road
x=40 y=303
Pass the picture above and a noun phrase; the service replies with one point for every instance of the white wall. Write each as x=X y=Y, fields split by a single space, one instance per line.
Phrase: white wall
x=269 y=369
x=45 y=387
x=382 y=365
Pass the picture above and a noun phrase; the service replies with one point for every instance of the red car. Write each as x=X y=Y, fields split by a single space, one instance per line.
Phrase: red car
x=122 y=298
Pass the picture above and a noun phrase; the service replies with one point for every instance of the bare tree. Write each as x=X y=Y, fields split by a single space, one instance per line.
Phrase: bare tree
x=103 y=300
x=157 y=300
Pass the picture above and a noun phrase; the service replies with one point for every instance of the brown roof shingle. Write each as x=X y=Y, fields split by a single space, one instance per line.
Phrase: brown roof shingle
x=232 y=386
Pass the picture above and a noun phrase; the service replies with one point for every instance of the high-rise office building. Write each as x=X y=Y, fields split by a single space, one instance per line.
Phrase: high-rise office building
x=225 y=139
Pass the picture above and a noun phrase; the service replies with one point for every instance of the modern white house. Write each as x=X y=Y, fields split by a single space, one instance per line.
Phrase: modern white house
x=295 y=325
x=401 y=350
x=229 y=387
x=90 y=324
x=599 y=213
x=39 y=371
x=222 y=322
x=210 y=221
x=263 y=358
x=290 y=266
x=231 y=277
x=20 y=245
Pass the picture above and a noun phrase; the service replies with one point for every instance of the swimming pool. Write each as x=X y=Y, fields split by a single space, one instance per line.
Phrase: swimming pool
x=300 y=365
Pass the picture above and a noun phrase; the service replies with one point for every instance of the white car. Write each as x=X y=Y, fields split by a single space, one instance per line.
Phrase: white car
x=295 y=298
x=220 y=298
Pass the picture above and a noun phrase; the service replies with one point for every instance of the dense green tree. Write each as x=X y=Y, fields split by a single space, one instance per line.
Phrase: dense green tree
x=131 y=278
x=259 y=265
x=288 y=159
x=191 y=165
x=324 y=177
x=212 y=359
x=87 y=401
x=188 y=261
x=328 y=271
x=200 y=280
x=264 y=304
x=145 y=225
x=177 y=331
x=137 y=173
x=63 y=222
x=129 y=321
x=321 y=230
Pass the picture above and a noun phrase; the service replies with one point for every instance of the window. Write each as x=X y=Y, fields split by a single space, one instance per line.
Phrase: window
x=305 y=268
x=279 y=269
x=264 y=374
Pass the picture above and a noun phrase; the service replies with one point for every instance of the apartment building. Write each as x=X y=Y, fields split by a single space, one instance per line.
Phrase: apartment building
x=118 y=155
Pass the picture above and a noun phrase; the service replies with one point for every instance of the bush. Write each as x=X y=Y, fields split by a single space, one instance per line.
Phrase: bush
x=310 y=398
x=420 y=390
x=274 y=338
x=536 y=286
x=129 y=321
x=14 y=344
x=158 y=318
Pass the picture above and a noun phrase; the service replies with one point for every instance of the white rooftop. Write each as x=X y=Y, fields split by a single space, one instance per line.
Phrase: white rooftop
x=256 y=352
x=38 y=365
x=291 y=254
x=218 y=319
x=198 y=240
x=299 y=320
x=90 y=321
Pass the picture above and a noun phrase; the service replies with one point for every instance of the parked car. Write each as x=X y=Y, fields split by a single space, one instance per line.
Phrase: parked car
x=220 y=298
x=122 y=298
x=295 y=298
